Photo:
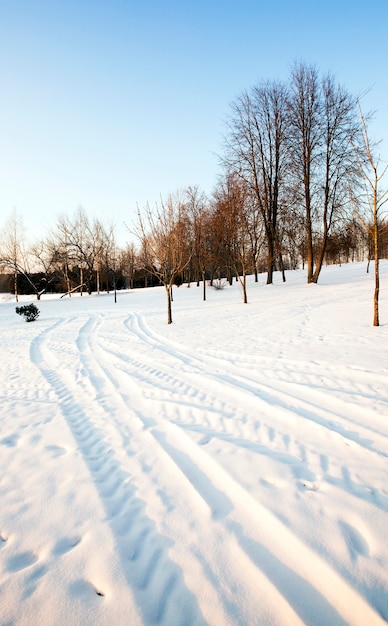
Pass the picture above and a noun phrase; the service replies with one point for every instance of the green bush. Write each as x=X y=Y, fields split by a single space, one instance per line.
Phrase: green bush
x=30 y=312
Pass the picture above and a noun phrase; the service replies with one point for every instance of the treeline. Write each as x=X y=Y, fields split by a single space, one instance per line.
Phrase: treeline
x=189 y=238
x=294 y=192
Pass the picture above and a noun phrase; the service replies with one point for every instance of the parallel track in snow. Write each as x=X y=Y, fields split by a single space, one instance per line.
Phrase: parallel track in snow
x=135 y=405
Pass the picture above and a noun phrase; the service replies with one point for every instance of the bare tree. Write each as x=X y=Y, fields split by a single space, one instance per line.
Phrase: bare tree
x=102 y=244
x=198 y=212
x=339 y=172
x=162 y=234
x=85 y=248
x=222 y=231
x=304 y=107
x=128 y=263
x=34 y=263
x=256 y=232
x=12 y=249
x=59 y=246
x=232 y=210
x=376 y=200
x=324 y=127
x=256 y=150
x=43 y=262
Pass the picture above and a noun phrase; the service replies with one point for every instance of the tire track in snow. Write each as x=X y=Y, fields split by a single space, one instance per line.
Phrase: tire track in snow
x=157 y=582
x=201 y=495
x=234 y=509
x=176 y=390
x=258 y=397
x=287 y=400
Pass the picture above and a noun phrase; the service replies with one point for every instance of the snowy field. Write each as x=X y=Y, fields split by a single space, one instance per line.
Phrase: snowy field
x=229 y=469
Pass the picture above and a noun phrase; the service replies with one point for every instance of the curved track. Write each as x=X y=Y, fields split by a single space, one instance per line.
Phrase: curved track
x=201 y=538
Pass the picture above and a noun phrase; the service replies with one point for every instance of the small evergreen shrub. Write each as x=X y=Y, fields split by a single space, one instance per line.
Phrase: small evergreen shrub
x=30 y=312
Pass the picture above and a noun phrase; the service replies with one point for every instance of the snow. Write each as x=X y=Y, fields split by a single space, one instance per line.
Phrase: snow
x=228 y=469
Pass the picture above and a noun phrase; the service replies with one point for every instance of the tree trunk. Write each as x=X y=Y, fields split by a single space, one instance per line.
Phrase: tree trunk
x=169 y=309
x=244 y=287
x=376 y=251
x=15 y=277
x=321 y=256
x=309 y=242
x=270 y=259
x=67 y=280
x=281 y=264
x=376 y=295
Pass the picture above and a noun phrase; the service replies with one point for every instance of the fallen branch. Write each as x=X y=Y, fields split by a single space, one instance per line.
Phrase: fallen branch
x=72 y=290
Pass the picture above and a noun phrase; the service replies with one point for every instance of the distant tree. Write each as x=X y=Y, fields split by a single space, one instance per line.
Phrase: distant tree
x=232 y=208
x=162 y=234
x=110 y=260
x=23 y=262
x=128 y=262
x=84 y=248
x=220 y=243
x=43 y=262
x=103 y=246
x=223 y=228
x=65 y=256
x=198 y=213
x=12 y=253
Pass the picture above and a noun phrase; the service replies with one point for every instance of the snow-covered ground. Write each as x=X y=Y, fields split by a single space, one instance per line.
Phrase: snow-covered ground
x=228 y=469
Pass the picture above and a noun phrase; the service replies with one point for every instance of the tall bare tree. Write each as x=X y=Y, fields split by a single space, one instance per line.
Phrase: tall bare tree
x=304 y=106
x=376 y=199
x=256 y=150
x=324 y=127
x=339 y=172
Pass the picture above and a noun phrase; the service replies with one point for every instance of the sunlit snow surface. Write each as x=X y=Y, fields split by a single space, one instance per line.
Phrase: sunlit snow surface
x=230 y=468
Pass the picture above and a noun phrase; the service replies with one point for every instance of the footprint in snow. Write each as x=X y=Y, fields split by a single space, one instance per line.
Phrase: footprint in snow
x=268 y=482
x=11 y=441
x=84 y=589
x=65 y=544
x=56 y=450
x=21 y=561
x=35 y=438
x=3 y=539
x=324 y=460
x=302 y=472
x=355 y=540
x=31 y=583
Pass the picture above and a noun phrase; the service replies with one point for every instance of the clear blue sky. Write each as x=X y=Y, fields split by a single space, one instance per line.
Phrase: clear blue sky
x=110 y=104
